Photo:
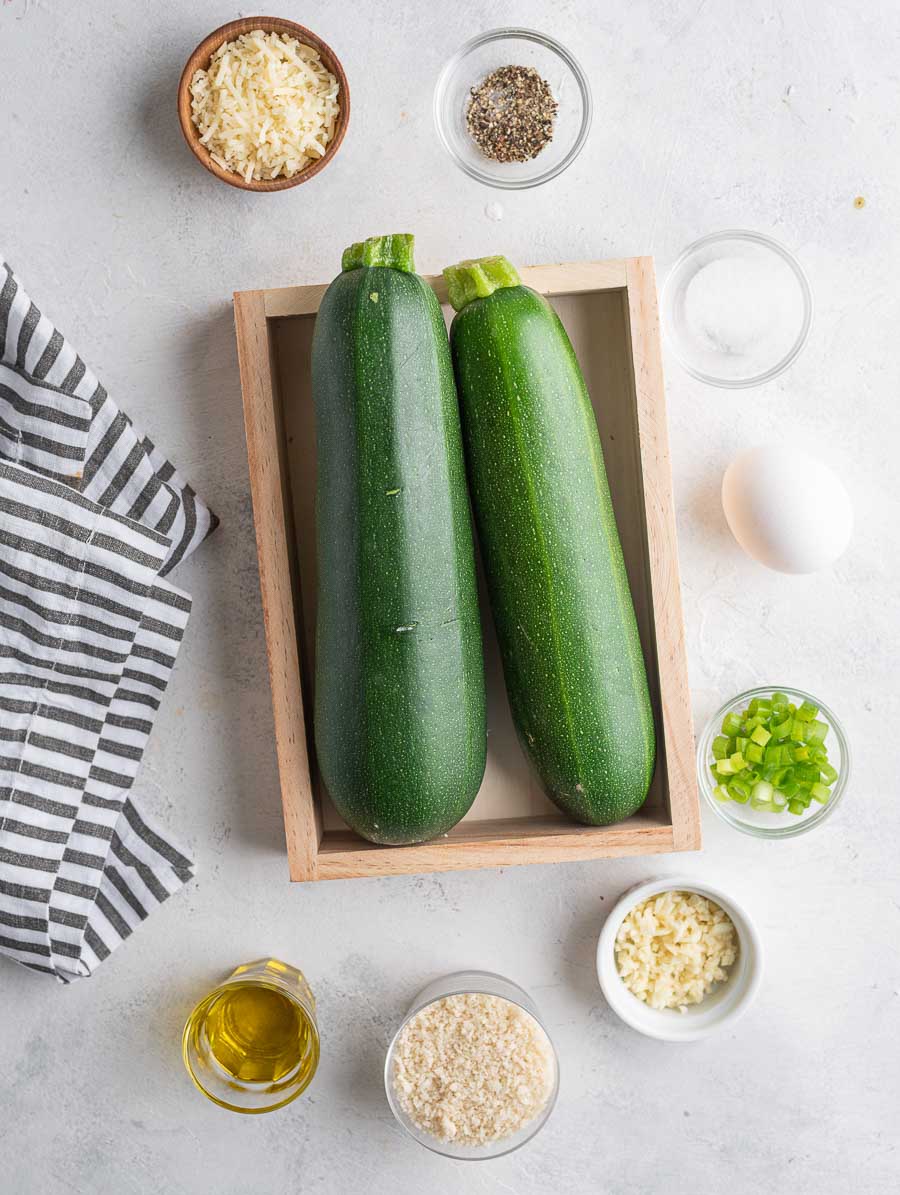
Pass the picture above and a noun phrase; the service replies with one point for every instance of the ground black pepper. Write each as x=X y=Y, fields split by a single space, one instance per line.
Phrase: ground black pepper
x=510 y=114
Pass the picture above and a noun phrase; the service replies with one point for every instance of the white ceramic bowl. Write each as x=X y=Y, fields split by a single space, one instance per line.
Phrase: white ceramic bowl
x=721 y=1007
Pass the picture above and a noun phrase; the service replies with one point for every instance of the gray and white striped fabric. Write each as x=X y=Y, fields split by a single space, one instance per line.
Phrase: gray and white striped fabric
x=92 y=518
x=56 y=418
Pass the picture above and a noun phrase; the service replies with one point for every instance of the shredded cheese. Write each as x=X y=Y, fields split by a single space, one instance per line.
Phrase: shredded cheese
x=266 y=107
x=672 y=949
x=473 y=1069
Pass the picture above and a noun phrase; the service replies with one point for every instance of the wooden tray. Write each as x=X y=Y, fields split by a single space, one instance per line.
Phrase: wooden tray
x=609 y=310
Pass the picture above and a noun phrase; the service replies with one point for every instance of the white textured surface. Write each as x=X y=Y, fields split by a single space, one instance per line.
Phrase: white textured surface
x=747 y=113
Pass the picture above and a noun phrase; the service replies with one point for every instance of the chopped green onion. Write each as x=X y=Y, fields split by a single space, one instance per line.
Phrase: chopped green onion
x=816 y=732
x=807 y=771
x=762 y=791
x=720 y=748
x=773 y=755
x=731 y=724
x=754 y=753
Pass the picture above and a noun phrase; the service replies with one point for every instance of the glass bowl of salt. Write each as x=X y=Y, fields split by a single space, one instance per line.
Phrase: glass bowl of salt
x=737 y=309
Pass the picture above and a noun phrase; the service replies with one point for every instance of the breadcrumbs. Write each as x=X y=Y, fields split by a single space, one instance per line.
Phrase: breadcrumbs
x=473 y=1069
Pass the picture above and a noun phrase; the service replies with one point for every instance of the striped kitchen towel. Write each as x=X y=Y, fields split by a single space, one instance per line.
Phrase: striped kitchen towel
x=56 y=418
x=92 y=518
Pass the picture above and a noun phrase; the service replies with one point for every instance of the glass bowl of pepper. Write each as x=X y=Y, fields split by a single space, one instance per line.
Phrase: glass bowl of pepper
x=512 y=108
x=773 y=762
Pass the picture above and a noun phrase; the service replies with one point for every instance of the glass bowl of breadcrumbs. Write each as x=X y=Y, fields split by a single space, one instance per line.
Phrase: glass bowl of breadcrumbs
x=472 y=1073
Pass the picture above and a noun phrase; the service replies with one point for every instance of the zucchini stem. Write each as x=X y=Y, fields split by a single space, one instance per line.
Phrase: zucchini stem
x=477 y=279
x=394 y=250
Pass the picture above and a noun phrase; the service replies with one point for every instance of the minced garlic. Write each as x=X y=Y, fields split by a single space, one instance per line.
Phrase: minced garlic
x=672 y=949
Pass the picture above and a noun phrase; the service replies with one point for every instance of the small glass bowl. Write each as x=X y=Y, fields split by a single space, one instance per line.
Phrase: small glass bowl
x=737 y=309
x=217 y=1082
x=758 y=822
x=513 y=47
x=462 y=983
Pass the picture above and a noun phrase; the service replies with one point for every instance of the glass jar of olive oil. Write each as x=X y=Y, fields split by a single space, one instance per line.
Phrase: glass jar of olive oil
x=252 y=1044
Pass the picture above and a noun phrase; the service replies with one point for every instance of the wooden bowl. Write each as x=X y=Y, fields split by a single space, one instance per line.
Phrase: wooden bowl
x=200 y=60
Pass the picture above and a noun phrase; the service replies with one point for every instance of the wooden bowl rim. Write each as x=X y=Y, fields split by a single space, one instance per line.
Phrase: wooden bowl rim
x=199 y=60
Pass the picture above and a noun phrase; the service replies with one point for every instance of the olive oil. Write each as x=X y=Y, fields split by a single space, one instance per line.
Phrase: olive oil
x=252 y=1044
x=256 y=1034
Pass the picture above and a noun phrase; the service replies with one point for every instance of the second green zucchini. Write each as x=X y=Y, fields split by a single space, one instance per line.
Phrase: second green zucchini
x=565 y=620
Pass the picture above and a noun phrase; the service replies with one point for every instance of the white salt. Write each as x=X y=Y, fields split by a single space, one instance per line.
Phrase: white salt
x=743 y=306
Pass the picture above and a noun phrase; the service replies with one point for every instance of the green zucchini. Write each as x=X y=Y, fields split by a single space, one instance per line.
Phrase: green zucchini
x=399 y=679
x=565 y=620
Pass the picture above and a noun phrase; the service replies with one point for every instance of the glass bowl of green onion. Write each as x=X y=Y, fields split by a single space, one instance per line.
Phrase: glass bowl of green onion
x=773 y=762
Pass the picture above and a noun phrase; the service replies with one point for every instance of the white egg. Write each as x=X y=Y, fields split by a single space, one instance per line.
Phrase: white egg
x=786 y=509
